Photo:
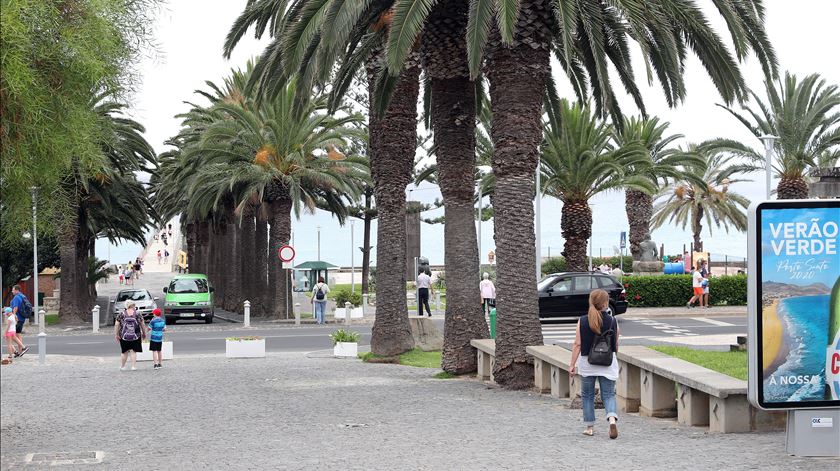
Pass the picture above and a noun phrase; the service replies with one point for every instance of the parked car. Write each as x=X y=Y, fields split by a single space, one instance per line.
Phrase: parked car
x=188 y=297
x=143 y=300
x=566 y=295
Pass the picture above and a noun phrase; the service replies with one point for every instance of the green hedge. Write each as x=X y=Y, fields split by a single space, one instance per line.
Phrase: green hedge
x=675 y=290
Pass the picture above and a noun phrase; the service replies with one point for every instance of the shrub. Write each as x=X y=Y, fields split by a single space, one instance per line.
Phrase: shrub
x=342 y=335
x=342 y=296
x=675 y=290
x=558 y=264
x=554 y=265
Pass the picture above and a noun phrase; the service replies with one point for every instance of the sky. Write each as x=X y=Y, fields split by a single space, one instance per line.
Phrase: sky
x=190 y=34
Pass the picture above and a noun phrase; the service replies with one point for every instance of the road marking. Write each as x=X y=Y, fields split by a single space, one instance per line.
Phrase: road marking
x=83 y=343
x=713 y=322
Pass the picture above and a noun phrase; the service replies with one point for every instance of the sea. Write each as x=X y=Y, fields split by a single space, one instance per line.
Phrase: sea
x=802 y=376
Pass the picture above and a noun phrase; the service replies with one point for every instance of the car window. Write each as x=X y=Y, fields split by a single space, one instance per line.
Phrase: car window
x=545 y=283
x=133 y=296
x=584 y=283
x=562 y=285
x=605 y=282
x=189 y=285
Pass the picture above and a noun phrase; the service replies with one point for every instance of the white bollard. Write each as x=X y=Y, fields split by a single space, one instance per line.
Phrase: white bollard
x=348 y=308
x=96 y=319
x=247 y=313
x=42 y=338
x=297 y=313
x=364 y=304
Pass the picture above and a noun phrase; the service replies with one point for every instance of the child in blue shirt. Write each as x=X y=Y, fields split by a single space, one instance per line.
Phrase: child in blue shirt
x=156 y=326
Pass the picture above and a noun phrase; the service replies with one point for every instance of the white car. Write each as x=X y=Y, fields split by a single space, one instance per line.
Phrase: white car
x=142 y=298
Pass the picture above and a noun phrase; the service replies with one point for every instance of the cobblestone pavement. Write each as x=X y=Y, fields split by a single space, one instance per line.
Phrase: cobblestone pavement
x=289 y=411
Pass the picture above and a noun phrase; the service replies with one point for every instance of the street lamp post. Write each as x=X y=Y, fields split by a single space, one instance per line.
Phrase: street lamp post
x=319 y=243
x=352 y=260
x=769 y=140
x=35 y=311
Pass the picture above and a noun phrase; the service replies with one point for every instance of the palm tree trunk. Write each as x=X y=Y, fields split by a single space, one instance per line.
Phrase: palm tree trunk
x=697 y=228
x=792 y=189
x=453 y=121
x=393 y=139
x=247 y=272
x=73 y=249
x=261 y=267
x=278 y=234
x=576 y=227
x=191 y=231
x=218 y=248
x=516 y=92
x=203 y=250
x=639 y=208
x=233 y=270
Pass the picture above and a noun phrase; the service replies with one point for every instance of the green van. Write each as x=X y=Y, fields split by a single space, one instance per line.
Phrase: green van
x=188 y=297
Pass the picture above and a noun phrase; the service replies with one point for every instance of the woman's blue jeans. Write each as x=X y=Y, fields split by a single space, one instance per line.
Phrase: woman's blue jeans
x=320 y=307
x=587 y=394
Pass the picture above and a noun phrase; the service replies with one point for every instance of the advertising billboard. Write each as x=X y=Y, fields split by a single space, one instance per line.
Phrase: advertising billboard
x=794 y=304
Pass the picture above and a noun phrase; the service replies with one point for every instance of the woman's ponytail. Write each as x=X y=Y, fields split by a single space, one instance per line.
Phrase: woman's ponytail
x=598 y=301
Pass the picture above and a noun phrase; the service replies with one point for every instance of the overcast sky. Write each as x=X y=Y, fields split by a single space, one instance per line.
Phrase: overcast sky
x=190 y=34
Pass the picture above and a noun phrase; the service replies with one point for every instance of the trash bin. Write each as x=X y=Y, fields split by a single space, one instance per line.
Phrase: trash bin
x=493 y=323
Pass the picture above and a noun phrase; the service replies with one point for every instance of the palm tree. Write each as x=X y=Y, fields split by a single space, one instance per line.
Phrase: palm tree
x=805 y=116
x=269 y=150
x=107 y=201
x=662 y=162
x=579 y=161
x=586 y=37
x=687 y=202
x=307 y=42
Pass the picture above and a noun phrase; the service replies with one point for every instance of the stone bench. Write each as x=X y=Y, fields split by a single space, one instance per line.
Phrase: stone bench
x=659 y=385
x=551 y=371
x=486 y=354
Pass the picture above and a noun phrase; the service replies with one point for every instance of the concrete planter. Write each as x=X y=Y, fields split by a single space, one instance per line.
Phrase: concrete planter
x=355 y=313
x=245 y=348
x=166 y=350
x=346 y=349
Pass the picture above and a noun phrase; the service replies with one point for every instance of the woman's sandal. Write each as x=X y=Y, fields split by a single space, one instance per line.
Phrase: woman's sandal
x=589 y=432
x=6 y=361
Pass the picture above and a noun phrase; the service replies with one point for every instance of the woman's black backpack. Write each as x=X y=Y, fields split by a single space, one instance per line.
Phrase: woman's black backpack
x=601 y=352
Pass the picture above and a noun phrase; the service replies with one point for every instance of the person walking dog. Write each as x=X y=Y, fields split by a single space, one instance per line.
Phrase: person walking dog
x=593 y=358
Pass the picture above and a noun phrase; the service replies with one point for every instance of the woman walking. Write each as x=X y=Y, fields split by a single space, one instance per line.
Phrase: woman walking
x=597 y=338
x=319 y=299
x=129 y=329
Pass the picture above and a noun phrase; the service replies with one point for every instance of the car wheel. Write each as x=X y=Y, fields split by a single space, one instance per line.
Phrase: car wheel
x=169 y=321
x=208 y=320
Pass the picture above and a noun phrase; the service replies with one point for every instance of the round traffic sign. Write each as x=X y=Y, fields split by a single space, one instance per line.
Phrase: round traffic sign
x=286 y=253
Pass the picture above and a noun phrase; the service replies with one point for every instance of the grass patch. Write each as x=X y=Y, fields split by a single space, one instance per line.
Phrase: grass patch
x=729 y=363
x=421 y=359
x=415 y=357
x=444 y=375
x=51 y=319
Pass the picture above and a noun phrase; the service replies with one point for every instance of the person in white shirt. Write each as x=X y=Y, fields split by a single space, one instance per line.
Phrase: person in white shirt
x=424 y=285
x=697 y=286
x=488 y=293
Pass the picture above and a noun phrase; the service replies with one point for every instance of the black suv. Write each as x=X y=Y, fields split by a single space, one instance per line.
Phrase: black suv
x=566 y=295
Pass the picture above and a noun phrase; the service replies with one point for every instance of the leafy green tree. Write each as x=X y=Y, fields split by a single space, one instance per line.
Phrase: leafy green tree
x=705 y=196
x=805 y=116
x=579 y=161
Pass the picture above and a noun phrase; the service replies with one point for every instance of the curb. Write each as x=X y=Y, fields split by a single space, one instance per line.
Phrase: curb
x=695 y=312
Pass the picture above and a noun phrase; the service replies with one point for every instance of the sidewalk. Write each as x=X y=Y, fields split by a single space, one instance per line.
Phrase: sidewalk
x=292 y=412
x=682 y=311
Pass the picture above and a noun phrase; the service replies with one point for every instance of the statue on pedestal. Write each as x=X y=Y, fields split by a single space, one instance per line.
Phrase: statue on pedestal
x=648 y=263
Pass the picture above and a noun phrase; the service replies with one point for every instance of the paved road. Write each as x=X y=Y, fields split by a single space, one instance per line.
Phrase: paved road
x=293 y=411
x=201 y=338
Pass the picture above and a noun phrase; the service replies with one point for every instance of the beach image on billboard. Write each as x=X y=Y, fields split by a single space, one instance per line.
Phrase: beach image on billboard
x=800 y=305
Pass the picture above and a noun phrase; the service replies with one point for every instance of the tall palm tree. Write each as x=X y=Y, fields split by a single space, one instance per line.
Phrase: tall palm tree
x=705 y=196
x=662 y=162
x=805 y=116
x=579 y=161
x=106 y=201
x=586 y=37
x=271 y=149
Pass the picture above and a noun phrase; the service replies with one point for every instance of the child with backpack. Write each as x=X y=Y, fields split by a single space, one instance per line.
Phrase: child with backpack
x=129 y=330
x=9 y=333
x=319 y=299
x=156 y=326
x=593 y=358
